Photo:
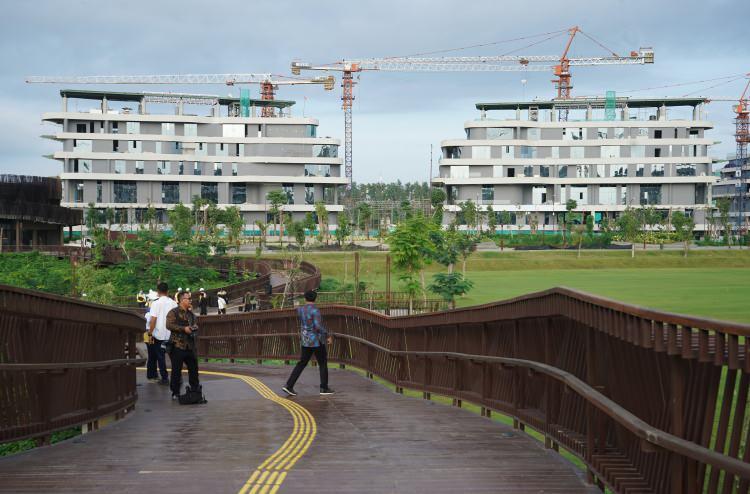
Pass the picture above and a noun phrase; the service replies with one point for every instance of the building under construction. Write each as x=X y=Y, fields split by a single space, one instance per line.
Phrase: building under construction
x=607 y=154
x=127 y=153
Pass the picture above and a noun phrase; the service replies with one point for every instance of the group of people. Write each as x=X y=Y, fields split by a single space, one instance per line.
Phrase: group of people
x=171 y=328
x=145 y=300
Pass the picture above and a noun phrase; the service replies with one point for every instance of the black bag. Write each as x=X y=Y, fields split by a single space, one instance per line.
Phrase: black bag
x=193 y=396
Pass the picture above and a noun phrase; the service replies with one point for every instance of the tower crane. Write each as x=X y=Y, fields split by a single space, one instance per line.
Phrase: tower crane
x=742 y=136
x=268 y=83
x=560 y=66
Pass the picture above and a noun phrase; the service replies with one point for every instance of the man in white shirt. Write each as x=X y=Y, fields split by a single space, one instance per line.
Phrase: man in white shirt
x=157 y=329
x=221 y=301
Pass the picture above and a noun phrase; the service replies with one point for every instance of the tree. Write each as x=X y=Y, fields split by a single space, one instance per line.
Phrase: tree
x=309 y=222
x=437 y=199
x=683 y=226
x=468 y=213
x=466 y=245
x=445 y=247
x=343 y=227
x=181 y=222
x=590 y=227
x=628 y=226
x=297 y=229
x=724 y=204
x=450 y=285
x=411 y=248
x=577 y=235
x=263 y=228
x=277 y=198
x=365 y=215
x=93 y=218
x=322 y=214
x=503 y=218
x=570 y=205
x=109 y=216
x=236 y=225
x=491 y=220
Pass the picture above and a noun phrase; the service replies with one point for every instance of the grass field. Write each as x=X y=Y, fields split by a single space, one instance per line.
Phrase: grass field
x=709 y=283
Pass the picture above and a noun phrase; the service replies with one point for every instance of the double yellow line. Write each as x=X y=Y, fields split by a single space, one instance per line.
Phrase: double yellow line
x=268 y=477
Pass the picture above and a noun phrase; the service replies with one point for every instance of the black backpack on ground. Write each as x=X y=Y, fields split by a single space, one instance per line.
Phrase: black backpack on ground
x=193 y=396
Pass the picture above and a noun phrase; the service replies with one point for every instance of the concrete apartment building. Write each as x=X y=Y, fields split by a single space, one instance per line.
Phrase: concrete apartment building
x=131 y=150
x=606 y=153
x=729 y=185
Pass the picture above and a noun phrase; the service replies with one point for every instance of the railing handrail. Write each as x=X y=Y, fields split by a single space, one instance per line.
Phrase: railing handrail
x=434 y=318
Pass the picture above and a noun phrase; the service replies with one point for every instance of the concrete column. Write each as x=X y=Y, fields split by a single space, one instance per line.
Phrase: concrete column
x=64 y=104
x=35 y=238
x=696 y=112
x=105 y=106
x=142 y=107
x=589 y=112
x=518 y=113
x=625 y=112
x=179 y=108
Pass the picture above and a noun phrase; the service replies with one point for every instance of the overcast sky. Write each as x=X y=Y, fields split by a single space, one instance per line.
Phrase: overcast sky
x=397 y=116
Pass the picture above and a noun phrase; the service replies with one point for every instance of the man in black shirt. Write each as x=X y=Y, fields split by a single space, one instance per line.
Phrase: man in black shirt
x=181 y=323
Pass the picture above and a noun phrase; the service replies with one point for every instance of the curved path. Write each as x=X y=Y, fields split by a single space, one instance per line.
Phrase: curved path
x=249 y=440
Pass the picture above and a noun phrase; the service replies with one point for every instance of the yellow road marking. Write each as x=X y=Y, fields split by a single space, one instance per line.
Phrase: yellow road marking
x=269 y=475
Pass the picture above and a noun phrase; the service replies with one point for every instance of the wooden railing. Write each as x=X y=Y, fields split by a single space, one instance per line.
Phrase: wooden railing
x=63 y=363
x=649 y=401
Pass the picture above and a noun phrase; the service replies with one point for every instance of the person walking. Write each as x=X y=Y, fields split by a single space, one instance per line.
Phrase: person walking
x=157 y=330
x=182 y=326
x=221 y=301
x=248 y=301
x=141 y=299
x=202 y=302
x=314 y=339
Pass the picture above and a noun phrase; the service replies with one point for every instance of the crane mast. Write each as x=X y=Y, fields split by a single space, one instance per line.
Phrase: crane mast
x=742 y=137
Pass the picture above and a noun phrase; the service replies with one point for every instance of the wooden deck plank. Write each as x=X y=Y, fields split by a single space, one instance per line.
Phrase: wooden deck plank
x=369 y=440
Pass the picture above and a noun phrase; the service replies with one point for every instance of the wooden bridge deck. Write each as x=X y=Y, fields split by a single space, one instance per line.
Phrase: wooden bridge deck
x=369 y=440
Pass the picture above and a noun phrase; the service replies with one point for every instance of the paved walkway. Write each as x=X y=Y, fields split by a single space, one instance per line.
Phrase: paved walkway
x=364 y=439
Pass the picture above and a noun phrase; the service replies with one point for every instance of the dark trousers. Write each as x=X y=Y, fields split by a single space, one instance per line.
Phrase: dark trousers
x=204 y=310
x=156 y=357
x=188 y=358
x=321 y=355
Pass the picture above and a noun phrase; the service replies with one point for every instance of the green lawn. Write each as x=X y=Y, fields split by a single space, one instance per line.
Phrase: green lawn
x=709 y=283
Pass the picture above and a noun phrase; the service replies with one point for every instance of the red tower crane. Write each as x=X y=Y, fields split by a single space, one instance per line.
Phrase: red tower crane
x=494 y=63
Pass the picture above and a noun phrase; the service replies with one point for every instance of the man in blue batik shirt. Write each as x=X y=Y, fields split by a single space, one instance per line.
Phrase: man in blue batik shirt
x=314 y=340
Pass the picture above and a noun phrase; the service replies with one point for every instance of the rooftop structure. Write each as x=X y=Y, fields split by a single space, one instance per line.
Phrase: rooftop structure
x=159 y=153
x=608 y=154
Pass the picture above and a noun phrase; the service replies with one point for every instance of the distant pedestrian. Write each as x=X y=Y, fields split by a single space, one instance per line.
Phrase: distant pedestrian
x=248 y=300
x=203 y=302
x=253 y=302
x=141 y=299
x=177 y=294
x=314 y=340
x=159 y=335
x=222 y=303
